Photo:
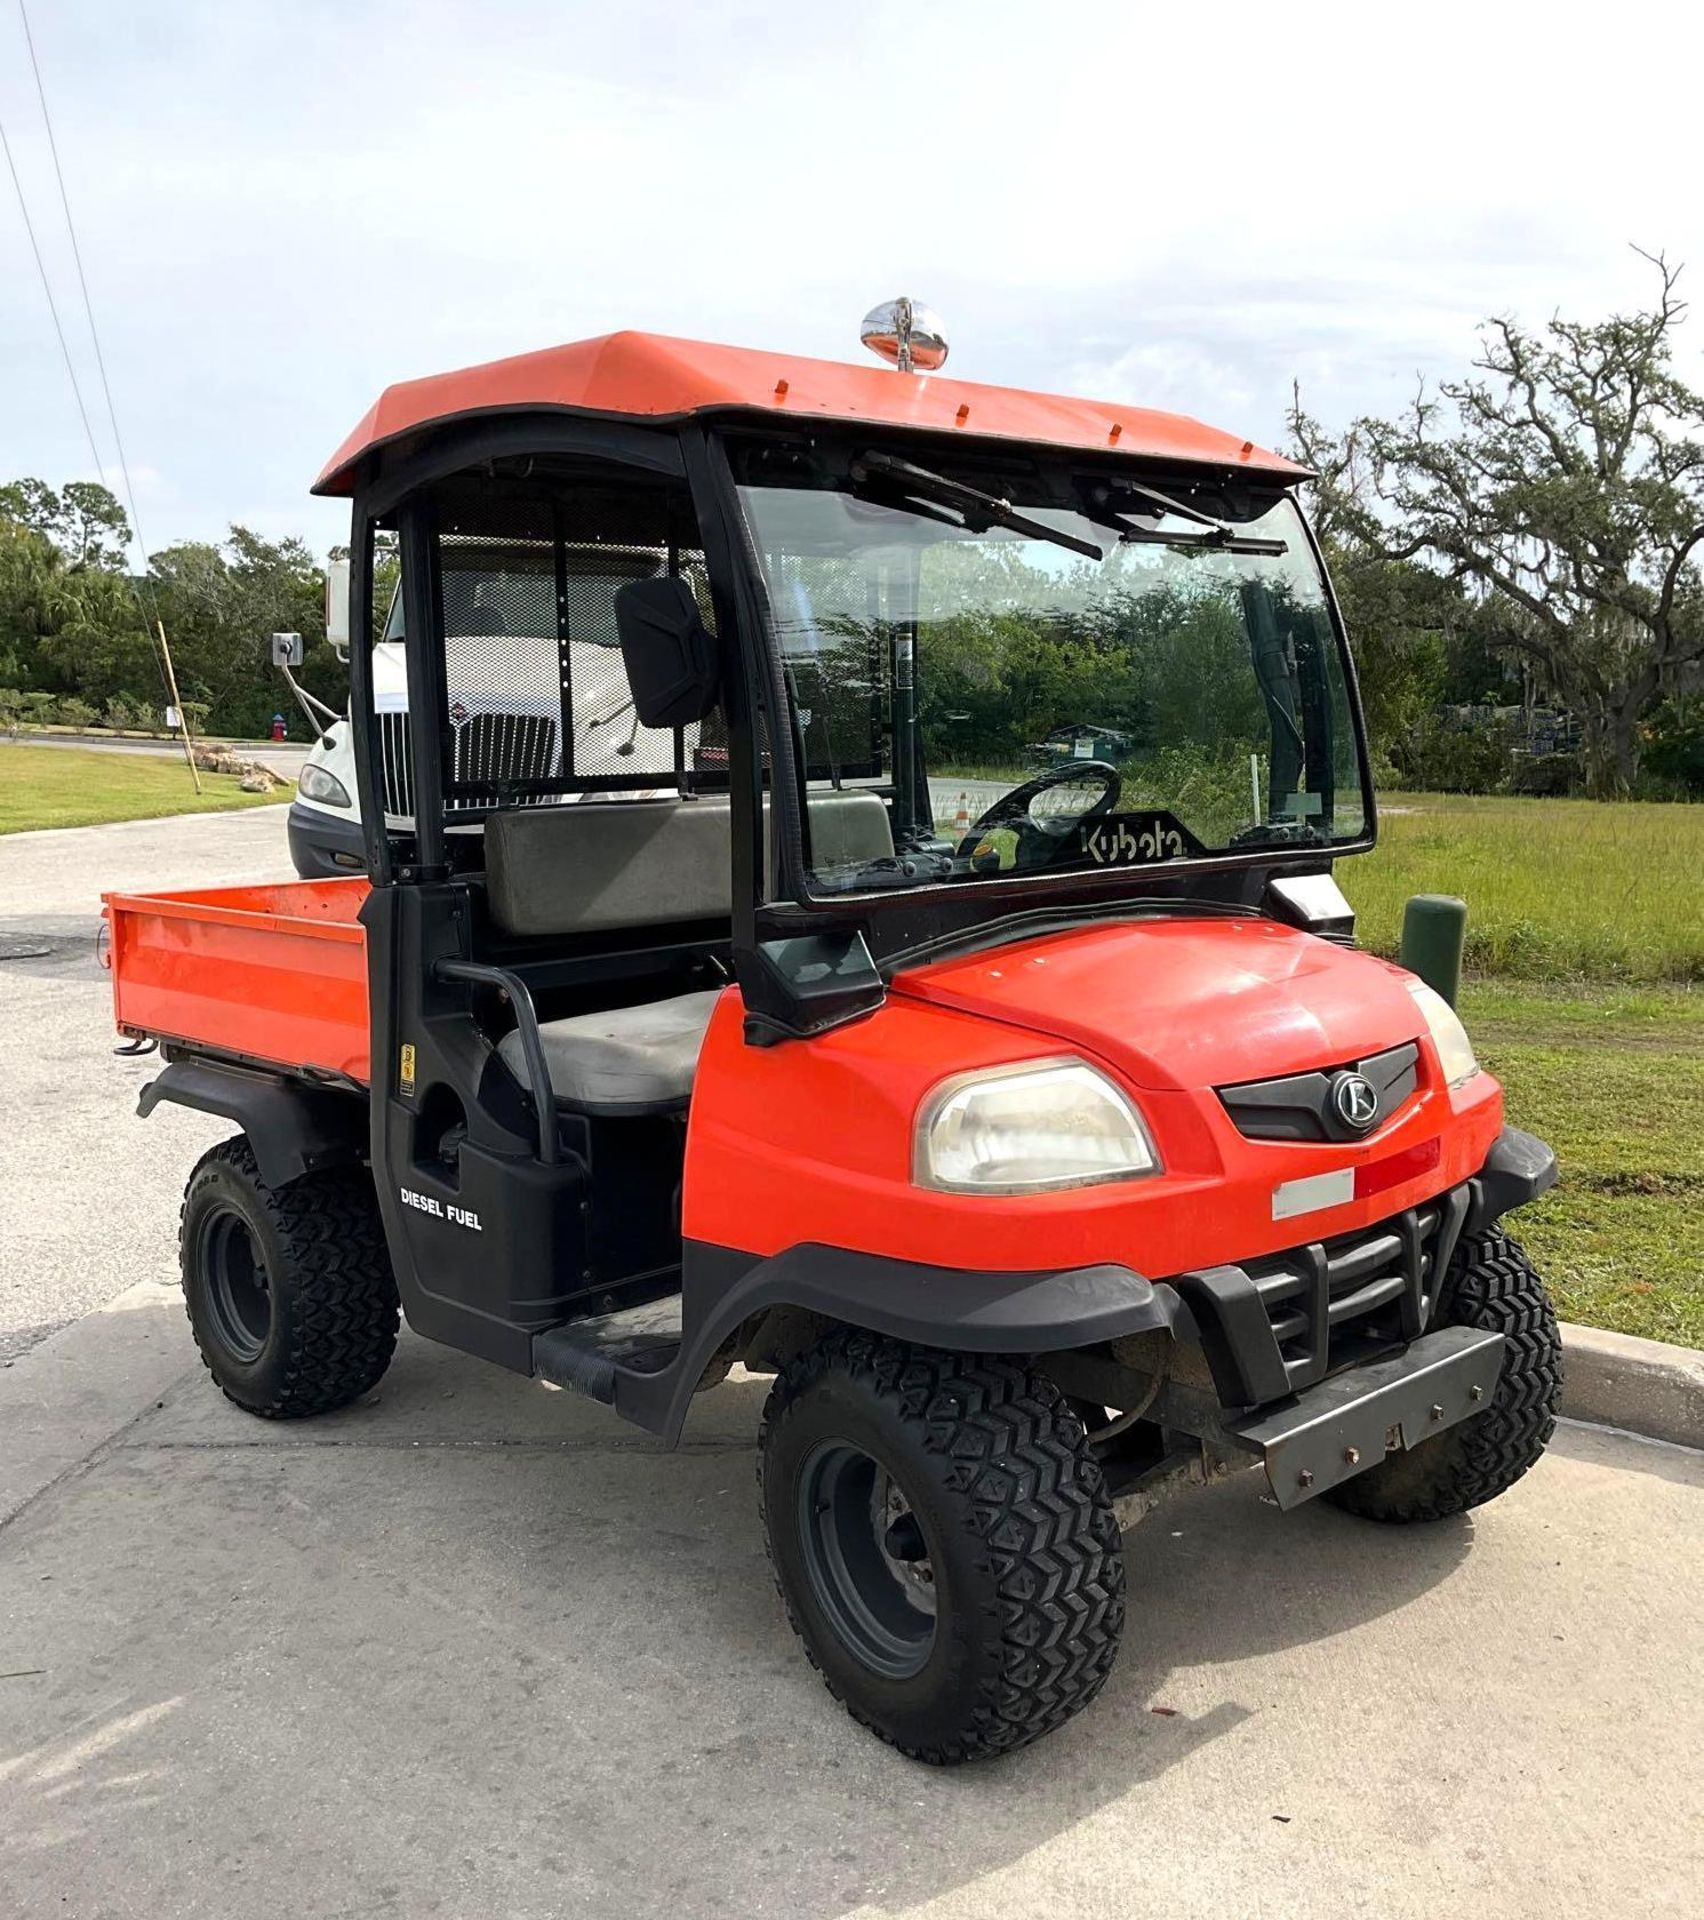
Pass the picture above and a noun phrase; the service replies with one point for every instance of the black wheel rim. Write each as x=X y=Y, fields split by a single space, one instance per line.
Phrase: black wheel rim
x=867 y=1559
x=239 y=1293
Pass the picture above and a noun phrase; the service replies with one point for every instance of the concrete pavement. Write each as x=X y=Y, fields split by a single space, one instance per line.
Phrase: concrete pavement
x=88 y=1193
x=475 y=1649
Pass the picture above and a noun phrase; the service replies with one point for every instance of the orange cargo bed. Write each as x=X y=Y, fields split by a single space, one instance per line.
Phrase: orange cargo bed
x=276 y=974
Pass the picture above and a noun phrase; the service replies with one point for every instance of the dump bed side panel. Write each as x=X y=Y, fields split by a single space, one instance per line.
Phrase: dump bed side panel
x=274 y=973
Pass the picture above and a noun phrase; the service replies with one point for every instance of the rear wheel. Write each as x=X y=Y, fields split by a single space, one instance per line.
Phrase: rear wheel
x=943 y=1543
x=1494 y=1287
x=289 y=1289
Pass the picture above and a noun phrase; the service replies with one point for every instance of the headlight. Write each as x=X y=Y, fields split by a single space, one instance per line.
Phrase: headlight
x=316 y=784
x=1449 y=1036
x=1055 y=1123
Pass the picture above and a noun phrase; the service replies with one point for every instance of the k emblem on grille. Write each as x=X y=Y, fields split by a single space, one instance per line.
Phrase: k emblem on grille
x=1356 y=1100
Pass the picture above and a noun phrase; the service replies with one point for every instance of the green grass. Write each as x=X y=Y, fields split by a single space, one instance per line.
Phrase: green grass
x=1586 y=946
x=60 y=787
x=1613 y=1078
x=1555 y=889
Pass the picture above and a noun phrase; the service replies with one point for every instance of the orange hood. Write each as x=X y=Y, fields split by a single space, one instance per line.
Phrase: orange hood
x=1185 y=1003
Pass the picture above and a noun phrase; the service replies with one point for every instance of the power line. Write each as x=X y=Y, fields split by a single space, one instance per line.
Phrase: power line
x=88 y=305
x=52 y=304
x=141 y=586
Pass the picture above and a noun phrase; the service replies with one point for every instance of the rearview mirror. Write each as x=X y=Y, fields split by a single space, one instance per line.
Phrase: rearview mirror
x=669 y=655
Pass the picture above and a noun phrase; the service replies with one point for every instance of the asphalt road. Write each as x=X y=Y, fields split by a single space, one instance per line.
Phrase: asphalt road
x=83 y=1206
x=475 y=1649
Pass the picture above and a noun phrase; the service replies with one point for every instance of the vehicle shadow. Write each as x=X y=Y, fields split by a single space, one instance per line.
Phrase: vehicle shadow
x=1218 y=1582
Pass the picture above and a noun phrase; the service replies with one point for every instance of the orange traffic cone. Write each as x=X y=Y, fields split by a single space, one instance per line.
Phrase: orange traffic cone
x=961 y=819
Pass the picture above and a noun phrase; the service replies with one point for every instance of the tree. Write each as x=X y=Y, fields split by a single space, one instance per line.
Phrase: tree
x=71 y=629
x=84 y=521
x=1403 y=617
x=1563 y=479
x=221 y=604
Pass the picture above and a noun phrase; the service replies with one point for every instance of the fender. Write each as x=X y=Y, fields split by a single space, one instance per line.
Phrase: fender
x=1518 y=1168
x=292 y=1129
x=970 y=1312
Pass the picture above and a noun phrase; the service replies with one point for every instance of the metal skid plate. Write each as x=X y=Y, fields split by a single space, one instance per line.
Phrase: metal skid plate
x=1351 y=1421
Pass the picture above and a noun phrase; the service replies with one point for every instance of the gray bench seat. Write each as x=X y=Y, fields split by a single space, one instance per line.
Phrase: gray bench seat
x=622 y=865
x=628 y=1060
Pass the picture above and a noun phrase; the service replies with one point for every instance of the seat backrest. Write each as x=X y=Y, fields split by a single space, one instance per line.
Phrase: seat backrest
x=601 y=865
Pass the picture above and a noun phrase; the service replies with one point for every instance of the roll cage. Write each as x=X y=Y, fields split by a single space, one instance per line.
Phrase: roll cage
x=803 y=959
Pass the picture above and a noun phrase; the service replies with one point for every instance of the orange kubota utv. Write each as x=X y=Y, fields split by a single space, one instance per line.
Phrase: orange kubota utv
x=849 y=894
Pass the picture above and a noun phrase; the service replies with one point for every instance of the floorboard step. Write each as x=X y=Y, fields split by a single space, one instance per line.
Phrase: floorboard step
x=587 y=1356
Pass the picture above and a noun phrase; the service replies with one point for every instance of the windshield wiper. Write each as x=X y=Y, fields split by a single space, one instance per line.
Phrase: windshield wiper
x=973 y=505
x=1219 y=535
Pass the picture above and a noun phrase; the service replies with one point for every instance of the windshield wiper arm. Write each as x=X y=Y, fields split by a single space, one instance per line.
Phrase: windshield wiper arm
x=1220 y=535
x=971 y=502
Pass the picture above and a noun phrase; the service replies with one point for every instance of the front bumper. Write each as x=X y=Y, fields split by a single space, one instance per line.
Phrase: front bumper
x=1350 y=1422
x=1288 y=1322
x=324 y=846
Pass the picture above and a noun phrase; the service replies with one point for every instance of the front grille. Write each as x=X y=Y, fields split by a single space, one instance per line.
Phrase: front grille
x=487 y=752
x=1301 y=1106
x=398 y=763
x=1332 y=1300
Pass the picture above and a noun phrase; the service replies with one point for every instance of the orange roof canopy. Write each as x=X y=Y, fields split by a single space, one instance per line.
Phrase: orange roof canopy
x=651 y=376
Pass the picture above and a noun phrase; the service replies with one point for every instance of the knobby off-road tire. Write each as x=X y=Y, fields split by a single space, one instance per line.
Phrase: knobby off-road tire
x=289 y=1290
x=1495 y=1287
x=1001 y=1617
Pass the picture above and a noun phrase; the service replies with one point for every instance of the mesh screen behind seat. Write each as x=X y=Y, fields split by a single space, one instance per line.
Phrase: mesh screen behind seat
x=536 y=700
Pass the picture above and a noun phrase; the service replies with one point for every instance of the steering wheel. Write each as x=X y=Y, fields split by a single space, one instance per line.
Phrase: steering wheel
x=1036 y=837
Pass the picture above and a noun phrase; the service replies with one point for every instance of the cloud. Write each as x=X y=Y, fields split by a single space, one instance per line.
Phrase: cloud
x=285 y=206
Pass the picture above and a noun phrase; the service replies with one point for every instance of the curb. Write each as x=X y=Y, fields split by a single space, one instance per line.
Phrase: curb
x=1642 y=1386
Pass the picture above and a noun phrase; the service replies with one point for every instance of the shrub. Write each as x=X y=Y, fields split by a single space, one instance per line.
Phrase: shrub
x=1442 y=759
x=1674 y=759
x=1210 y=792
x=1546 y=775
x=69 y=711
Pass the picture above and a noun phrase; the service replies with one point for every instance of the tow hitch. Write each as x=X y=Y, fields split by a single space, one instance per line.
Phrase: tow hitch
x=1351 y=1421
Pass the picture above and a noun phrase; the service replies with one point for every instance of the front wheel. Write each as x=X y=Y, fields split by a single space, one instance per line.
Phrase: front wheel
x=1494 y=1287
x=290 y=1293
x=943 y=1543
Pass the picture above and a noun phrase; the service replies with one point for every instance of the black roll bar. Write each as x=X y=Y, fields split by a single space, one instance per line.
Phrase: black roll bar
x=519 y=996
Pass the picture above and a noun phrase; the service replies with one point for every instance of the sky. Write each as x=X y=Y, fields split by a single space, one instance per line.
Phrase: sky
x=285 y=205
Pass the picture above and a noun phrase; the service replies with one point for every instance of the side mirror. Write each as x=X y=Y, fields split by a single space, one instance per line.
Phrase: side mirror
x=669 y=655
x=337 y=604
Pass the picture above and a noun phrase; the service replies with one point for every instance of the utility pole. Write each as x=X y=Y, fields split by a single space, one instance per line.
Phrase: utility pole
x=177 y=705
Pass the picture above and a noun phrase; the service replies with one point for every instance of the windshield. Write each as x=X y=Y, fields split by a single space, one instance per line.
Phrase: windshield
x=1020 y=707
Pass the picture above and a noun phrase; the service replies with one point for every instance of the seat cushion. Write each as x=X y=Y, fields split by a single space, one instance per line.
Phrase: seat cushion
x=628 y=1060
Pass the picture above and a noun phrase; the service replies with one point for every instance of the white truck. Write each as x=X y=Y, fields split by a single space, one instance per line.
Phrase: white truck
x=505 y=699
